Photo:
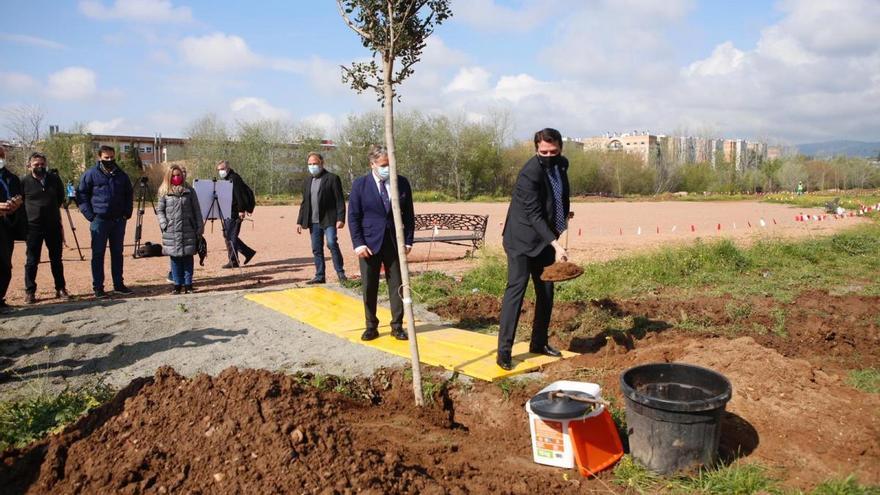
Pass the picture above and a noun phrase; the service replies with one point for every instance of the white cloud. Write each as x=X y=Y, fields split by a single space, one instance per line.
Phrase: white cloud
x=469 y=79
x=323 y=121
x=724 y=60
x=72 y=83
x=488 y=15
x=24 y=39
x=220 y=52
x=250 y=108
x=17 y=82
x=105 y=127
x=520 y=86
x=136 y=11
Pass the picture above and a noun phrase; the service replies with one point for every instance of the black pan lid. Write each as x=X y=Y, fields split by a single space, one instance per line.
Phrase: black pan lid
x=548 y=406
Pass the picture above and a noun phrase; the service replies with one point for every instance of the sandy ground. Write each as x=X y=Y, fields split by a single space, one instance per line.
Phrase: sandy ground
x=121 y=338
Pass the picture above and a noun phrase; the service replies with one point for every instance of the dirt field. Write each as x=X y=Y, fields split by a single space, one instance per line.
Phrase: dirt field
x=599 y=231
x=264 y=431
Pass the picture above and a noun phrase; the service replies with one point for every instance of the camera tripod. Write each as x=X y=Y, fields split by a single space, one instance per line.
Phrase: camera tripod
x=143 y=193
x=73 y=230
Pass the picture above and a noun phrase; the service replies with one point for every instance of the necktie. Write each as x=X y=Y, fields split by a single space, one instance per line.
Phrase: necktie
x=386 y=200
x=6 y=189
x=559 y=220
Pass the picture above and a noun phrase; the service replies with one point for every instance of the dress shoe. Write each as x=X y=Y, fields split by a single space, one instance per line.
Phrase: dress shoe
x=547 y=351
x=176 y=289
x=125 y=291
x=400 y=334
x=504 y=363
x=100 y=294
x=62 y=294
x=188 y=289
x=315 y=281
x=230 y=265
x=249 y=257
x=369 y=334
x=30 y=298
x=342 y=278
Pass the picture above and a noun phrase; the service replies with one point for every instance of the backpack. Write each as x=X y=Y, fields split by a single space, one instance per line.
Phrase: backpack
x=149 y=250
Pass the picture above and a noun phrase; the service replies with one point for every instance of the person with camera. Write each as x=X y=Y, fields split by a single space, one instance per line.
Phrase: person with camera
x=105 y=197
x=43 y=195
x=243 y=203
x=180 y=219
x=322 y=212
x=10 y=201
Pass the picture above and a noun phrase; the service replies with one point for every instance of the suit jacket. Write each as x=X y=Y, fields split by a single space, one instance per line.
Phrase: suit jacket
x=367 y=218
x=331 y=201
x=529 y=226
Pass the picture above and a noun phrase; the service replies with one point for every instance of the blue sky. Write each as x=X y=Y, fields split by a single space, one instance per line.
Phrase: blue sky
x=788 y=71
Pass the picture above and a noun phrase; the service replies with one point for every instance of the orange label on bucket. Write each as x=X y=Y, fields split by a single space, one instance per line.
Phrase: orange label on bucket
x=548 y=436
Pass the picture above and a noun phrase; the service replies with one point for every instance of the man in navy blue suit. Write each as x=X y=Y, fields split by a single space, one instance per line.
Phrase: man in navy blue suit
x=371 y=225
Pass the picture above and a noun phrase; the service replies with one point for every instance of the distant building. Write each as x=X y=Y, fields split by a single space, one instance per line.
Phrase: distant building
x=644 y=145
x=156 y=149
x=681 y=150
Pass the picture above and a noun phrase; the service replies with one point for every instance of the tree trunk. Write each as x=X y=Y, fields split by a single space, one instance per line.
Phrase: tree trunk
x=398 y=229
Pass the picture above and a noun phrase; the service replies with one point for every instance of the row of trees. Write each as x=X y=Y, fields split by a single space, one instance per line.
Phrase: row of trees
x=449 y=154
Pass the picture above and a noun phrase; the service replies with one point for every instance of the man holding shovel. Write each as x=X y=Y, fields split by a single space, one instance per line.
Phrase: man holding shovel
x=538 y=214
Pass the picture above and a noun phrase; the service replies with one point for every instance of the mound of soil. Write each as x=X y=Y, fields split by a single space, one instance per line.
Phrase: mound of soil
x=561 y=271
x=252 y=431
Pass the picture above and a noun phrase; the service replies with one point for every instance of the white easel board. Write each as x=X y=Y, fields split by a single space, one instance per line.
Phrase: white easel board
x=205 y=189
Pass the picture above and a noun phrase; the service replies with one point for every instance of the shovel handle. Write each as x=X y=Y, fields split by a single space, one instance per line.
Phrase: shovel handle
x=563 y=395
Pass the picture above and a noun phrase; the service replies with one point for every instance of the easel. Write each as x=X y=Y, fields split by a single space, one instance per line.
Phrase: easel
x=215 y=203
x=73 y=229
x=143 y=192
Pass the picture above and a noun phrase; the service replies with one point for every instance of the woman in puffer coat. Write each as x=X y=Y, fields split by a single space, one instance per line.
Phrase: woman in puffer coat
x=180 y=219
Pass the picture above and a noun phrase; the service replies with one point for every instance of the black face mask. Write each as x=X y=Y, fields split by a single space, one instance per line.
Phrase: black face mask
x=39 y=172
x=549 y=161
x=108 y=164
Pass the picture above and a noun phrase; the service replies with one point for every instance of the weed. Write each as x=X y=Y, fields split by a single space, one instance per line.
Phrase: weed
x=182 y=308
x=779 y=322
x=509 y=386
x=847 y=486
x=738 y=311
x=866 y=380
x=633 y=476
x=735 y=479
x=31 y=418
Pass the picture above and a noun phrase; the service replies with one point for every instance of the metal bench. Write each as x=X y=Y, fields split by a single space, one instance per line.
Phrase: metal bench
x=452 y=228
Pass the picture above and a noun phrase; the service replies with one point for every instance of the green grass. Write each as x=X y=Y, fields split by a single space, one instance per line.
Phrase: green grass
x=866 y=380
x=30 y=418
x=768 y=268
x=432 y=197
x=847 y=486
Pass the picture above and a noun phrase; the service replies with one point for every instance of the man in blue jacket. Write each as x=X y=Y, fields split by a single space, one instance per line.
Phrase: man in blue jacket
x=371 y=225
x=105 y=197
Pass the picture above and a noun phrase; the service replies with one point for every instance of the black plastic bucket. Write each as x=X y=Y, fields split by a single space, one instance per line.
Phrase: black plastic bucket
x=673 y=415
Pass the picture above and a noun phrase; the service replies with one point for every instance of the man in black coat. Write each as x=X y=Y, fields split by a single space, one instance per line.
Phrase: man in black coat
x=10 y=201
x=242 y=205
x=43 y=195
x=322 y=212
x=538 y=214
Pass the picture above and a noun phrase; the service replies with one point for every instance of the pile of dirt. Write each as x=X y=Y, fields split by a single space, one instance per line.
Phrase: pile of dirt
x=559 y=272
x=252 y=431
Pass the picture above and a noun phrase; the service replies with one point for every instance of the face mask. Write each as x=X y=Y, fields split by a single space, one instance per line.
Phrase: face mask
x=314 y=169
x=176 y=180
x=2 y=164
x=109 y=164
x=384 y=172
x=548 y=161
x=222 y=173
x=39 y=172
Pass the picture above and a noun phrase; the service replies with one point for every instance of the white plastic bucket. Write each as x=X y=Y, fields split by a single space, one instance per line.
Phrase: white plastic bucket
x=551 y=440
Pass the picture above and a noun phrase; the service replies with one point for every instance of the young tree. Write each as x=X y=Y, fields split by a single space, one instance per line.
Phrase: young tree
x=393 y=30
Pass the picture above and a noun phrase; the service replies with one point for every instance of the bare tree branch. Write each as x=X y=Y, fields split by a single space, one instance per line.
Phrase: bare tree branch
x=363 y=34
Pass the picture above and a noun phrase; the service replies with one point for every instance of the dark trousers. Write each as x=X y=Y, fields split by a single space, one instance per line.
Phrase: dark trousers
x=234 y=244
x=36 y=236
x=7 y=243
x=104 y=232
x=370 y=268
x=519 y=268
x=318 y=234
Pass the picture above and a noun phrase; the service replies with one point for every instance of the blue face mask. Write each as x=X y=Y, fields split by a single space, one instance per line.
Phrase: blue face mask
x=314 y=169
x=383 y=172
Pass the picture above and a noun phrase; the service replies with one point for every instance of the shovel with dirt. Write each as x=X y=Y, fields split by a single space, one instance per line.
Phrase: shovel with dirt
x=561 y=271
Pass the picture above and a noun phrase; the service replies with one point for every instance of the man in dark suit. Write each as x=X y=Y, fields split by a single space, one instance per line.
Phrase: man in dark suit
x=538 y=214
x=242 y=205
x=322 y=212
x=371 y=225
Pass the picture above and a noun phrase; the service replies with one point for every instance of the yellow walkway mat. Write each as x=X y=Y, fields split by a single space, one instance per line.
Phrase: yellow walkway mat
x=469 y=353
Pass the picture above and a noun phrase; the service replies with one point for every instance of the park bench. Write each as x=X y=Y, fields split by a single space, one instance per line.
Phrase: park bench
x=452 y=228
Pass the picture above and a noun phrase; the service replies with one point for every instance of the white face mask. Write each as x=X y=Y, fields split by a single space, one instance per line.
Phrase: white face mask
x=2 y=164
x=222 y=173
